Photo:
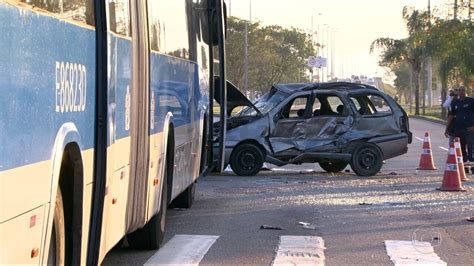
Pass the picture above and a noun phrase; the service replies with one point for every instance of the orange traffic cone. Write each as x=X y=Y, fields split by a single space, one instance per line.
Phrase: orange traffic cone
x=462 y=174
x=426 y=159
x=451 y=180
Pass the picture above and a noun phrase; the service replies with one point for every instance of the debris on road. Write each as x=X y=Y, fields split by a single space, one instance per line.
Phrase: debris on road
x=365 y=203
x=269 y=227
x=393 y=173
x=308 y=225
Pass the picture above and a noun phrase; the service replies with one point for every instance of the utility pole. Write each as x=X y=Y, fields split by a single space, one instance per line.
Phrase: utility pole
x=312 y=45
x=333 y=52
x=324 y=53
x=248 y=91
x=429 y=70
x=455 y=9
x=469 y=6
x=246 y=63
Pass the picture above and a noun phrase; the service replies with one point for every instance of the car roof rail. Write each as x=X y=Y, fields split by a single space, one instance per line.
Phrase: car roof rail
x=294 y=87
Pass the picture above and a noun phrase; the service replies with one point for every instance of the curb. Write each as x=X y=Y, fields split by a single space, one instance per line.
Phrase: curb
x=442 y=122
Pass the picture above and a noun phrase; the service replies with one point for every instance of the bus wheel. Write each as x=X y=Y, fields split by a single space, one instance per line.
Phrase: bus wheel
x=151 y=235
x=186 y=198
x=57 y=245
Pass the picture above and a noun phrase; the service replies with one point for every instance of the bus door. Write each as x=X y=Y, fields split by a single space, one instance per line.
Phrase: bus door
x=127 y=123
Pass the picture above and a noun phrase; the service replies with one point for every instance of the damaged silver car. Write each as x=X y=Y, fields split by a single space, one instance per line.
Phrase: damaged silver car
x=333 y=124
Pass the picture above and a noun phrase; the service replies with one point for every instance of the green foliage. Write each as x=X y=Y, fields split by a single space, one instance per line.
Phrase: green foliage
x=409 y=50
x=452 y=42
x=276 y=54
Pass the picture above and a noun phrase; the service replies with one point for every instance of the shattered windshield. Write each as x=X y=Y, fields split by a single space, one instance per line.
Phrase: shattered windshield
x=264 y=104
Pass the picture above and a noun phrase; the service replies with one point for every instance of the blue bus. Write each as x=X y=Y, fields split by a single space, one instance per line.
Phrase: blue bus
x=106 y=113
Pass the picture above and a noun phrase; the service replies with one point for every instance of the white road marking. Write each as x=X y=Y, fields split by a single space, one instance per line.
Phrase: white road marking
x=443 y=148
x=420 y=139
x=300 y=250
x=183 y=250
x=412 y=252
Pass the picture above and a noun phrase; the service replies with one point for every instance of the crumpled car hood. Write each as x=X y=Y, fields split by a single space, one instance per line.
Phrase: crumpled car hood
x=234 y=97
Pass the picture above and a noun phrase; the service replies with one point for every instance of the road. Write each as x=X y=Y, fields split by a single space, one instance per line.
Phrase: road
x=354 y=216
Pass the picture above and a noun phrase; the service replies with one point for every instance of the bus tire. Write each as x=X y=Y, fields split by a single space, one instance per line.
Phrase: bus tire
x=186 y=198
x=151 y=235
x=57 y=244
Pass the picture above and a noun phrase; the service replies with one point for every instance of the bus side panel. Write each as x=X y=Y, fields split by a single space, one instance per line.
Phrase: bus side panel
x=24 y=235
x=47 y=80
x=119 y=142
x=173 y=86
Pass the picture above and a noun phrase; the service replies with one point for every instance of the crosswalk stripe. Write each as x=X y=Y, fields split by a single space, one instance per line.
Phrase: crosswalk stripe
x=183 y=250
x=412 y=252
x=300 y=250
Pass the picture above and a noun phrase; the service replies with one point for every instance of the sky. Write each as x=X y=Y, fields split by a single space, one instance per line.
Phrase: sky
x=355 y=24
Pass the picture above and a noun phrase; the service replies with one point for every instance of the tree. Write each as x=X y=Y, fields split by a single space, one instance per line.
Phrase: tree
x=276 y=54
x=403 y=80
x=409 y=50
x=452 y=42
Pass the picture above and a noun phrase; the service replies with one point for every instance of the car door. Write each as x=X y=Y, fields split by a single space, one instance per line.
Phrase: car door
x=375 y=116
x=330 y=118
x=287 y=132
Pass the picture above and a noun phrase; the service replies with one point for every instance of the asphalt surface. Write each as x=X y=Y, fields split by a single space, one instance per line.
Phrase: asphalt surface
x=354 y=215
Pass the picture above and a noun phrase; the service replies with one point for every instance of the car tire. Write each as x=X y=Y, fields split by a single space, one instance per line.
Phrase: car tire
x=333 y=167
x=246 y=160
x=367 y=159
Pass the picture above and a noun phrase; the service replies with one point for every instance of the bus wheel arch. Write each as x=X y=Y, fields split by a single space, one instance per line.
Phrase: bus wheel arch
x=69 y=200
x=170 y=148
x=71 y=183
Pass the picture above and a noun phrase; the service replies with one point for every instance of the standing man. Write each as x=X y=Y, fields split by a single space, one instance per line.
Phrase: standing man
x=452 y=96
x=462 y=111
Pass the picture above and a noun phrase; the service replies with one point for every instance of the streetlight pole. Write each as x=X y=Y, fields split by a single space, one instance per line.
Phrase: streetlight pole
x=319 y=45
x=248 y=91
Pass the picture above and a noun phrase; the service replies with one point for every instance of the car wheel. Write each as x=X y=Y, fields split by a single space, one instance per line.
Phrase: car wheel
x=366 y=159
x=246 y=160
x=333 y=167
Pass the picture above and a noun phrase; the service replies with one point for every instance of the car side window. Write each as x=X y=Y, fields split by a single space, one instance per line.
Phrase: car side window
x=316 y=109
x=337 y=106
x=370 y=104
x=331 y=105
x=380 y=105
x=295 y=108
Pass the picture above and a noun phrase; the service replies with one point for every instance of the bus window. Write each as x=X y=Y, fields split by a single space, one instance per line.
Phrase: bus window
x=119 y=11
x=165 y=19
x=75 y=10
x=82 y=11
